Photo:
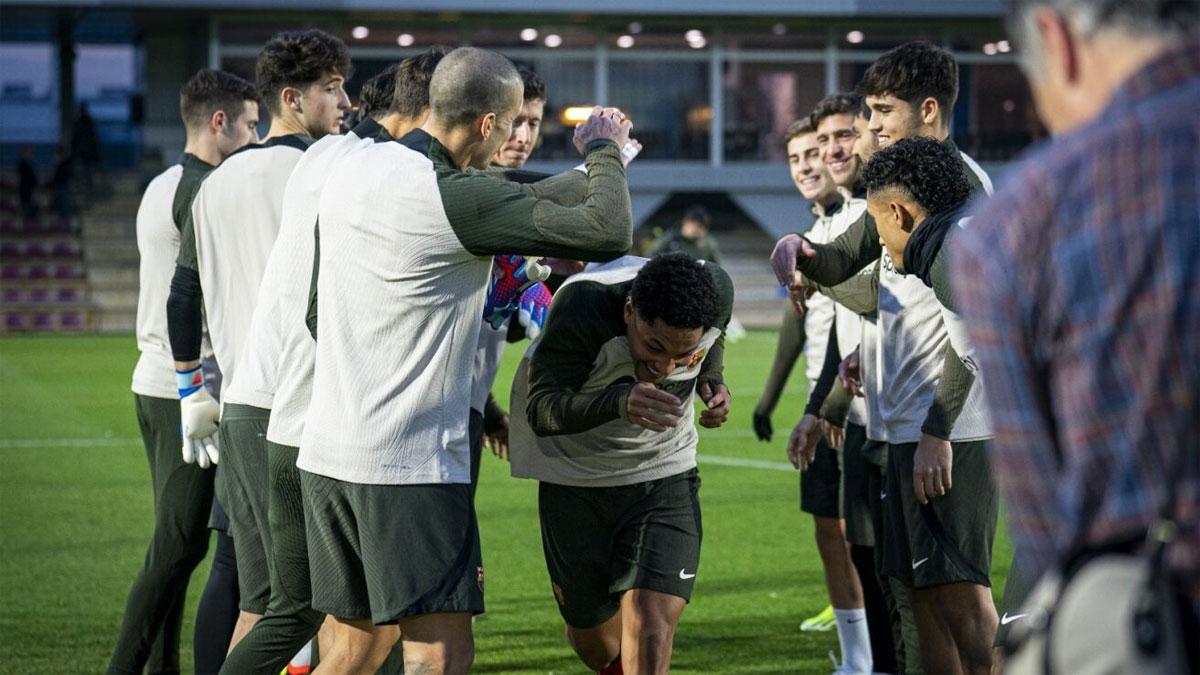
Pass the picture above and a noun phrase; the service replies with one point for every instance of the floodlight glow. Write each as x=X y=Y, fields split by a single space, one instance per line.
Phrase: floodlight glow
x=693 y=35
x=855 y=37
x=698 y=44
x=360 y=32
x=779 y=29
x=529 y=34
x=553 y=40
x=1003 y=47
x=990 y=49
x=625 y=41
x=576 y=114
x=635 y=28
x=405 y=40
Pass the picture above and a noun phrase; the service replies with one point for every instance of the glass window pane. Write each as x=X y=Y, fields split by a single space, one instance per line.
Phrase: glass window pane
x=994 y=118
x=762 y=100
x=29 y=111
x=535 y=35
x=680 y=36
x=668 y=102
x=569 y=82
x=777 y=35
x=882 y=38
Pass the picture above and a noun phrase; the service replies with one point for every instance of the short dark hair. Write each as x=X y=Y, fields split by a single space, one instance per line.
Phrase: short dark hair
x=376 y=95
x=297 y=59
x=411 y=95
x=211 y=90
x=470 y=82
x=535 y=86
x=698 y=214
x=845 y=103
x=929 y=170
x=678 y=289
x=800 y=127
x=913 y=72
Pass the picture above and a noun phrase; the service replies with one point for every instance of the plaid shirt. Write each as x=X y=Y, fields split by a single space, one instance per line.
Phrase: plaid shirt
x=1080 y=284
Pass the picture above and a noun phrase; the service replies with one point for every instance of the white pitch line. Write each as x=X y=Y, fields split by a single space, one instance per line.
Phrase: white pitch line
x=28 y=443
x=34 y=443
x=745 y=463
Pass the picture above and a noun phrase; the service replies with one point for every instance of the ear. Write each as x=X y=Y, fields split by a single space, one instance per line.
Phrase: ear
x=486 y=124
x=901 y=216
x=929 y=110
x=629 y=311
x=1060 y=45
x=291 y=99
x=218 y=122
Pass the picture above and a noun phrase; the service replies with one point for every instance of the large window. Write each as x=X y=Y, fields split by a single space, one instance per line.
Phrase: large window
x=668 y=102
x=569 y=83
x=998 y=111
x=762 y=100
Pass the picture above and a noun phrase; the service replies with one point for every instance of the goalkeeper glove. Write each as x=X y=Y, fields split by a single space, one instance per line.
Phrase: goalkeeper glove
x=199 y=415
x=531 y=313
x=511 y=275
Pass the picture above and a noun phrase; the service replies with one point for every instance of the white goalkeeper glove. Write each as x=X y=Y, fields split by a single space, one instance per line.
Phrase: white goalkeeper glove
x=199 y=415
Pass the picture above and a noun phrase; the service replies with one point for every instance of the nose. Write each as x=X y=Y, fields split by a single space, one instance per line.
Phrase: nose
x=874 y=123
x=343 y=99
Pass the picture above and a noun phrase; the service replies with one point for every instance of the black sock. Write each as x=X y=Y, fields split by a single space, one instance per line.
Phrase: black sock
x=218 y=611
x=879 y=621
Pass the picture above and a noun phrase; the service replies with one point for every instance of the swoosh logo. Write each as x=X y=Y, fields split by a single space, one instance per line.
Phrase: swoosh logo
x=685 y=576
x=918 y=563
x=1006 y=619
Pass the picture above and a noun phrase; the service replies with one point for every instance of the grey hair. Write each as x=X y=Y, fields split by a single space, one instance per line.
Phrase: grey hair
x=1161 y=19
x=470 y=82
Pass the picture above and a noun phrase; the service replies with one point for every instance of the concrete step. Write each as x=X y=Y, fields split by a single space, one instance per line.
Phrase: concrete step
x=115 y=299
x=112 y=250
x=104 y=276
x=112 y=321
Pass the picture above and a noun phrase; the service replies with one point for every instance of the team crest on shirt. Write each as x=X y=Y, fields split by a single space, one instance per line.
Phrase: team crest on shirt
x=697 y=357
x=479 y=577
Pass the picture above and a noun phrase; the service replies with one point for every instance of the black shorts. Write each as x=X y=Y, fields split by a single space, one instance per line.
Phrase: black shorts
x=1020 y=583
x=949 y=539
x=242 y=487
x=391 y=552
x=600 y=542
x=821 y=483
x=856 y=504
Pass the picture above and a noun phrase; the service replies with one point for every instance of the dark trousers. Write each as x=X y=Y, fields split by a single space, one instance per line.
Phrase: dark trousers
x=290 y=620
x=149 y=636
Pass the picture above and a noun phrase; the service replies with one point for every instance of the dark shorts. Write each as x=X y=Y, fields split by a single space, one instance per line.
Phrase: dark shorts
x=242 y=487
x=600 y=542
x=821 y=484
x=475 y=436
x=391 y=552
x=291 y=590
x=949 y=539
x=1017 y=588
x=856 y=504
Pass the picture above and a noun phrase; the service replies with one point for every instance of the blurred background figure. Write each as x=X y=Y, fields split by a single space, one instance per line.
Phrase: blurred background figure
x=27 y=181
x=691 y=237
x=63 y=173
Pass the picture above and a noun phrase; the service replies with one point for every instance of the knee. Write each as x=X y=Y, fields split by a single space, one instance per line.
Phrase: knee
x=654 y=630
x=829 y=536
x=595 y=652
x=453 y=658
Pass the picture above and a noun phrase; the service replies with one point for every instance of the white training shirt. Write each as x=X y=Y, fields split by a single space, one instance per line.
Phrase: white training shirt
x=236 y=216
x=400 y=301
x=488 y=354
x=286 y=286
x=158 y=245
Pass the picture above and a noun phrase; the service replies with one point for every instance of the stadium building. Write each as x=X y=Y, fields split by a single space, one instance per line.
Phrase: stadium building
x=710 y=85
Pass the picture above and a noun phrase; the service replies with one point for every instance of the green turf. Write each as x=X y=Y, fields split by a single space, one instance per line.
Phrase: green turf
x=75 y=517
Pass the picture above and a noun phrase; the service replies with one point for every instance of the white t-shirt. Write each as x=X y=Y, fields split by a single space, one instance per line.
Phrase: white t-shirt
x=289 y=272
x=236 y=216
x=158 y=245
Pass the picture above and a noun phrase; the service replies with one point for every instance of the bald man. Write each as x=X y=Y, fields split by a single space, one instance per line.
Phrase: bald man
x=407 y=235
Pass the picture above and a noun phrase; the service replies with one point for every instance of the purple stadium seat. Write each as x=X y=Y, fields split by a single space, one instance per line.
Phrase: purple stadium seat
x=10 y=295
x=43 y=321
x=10 y=249
x=37 y=271
x=10 y=272
x=68 y=294
x=65 y=249
x=39 y=295
x=70 y=321
x=14 y=321
x=36 y=249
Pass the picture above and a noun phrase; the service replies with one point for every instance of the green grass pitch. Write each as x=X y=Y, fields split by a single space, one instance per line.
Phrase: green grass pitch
x=75 y=515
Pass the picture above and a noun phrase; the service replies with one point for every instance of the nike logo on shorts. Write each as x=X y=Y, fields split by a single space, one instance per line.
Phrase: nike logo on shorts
x=685 y=576
x=1006 y=619
x=918 y=563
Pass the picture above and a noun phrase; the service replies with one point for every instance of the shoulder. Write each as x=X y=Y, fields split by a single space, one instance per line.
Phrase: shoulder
x=164 y=183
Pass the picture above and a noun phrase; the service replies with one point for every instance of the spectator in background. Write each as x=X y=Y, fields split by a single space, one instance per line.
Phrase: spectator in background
x=27 y=181
x=85 y=145
x=690 y=237
x=1080 y=285
x=63 y=173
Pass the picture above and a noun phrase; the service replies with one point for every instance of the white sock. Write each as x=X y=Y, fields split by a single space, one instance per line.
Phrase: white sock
x=855 y=639
x=303 y=657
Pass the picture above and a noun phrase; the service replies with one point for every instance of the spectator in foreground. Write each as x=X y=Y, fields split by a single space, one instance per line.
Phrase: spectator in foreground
x=1080 y=284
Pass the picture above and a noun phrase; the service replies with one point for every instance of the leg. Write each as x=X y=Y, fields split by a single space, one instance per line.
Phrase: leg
x=437 y=644
x=217 y=614
x=968 y=611
x=599 y=646
x=879 y=618
x=841 y=578
x=938 y=651
x=182 y=493
x=359 y=646
x=290 y=621
x=648 y=621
